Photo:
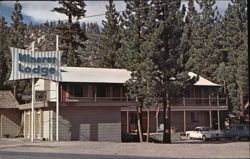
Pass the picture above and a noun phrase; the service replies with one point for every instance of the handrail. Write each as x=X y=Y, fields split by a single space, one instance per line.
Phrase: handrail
x=176 y=102
x=100 y=99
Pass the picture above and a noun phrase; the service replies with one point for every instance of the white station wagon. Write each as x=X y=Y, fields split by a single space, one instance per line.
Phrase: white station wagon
x=204 y=133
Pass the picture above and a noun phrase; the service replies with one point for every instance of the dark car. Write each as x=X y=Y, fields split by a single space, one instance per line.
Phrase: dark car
x=237 y=131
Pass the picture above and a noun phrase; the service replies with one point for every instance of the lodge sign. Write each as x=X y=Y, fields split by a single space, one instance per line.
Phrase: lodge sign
x=28 y=64
x=39 y=60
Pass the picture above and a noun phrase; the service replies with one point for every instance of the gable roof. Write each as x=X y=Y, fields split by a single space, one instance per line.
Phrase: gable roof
x=94 y=75
x=7 y=100
x=107 y=75
x=202 y=81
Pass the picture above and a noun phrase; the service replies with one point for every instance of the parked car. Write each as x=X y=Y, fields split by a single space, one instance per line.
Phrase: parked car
x=237 y=131
x=204 y=133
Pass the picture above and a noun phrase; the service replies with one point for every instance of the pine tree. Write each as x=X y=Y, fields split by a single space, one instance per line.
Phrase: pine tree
x=205 y=58
x=233 y=70
x=168 y=52
x=71 y=34
x=131 y=55
x=17 y=39
x=17 y=27
x=4 y=53
x=91 y=52
x=110 y=38
x=29 y=37
x=47 y=40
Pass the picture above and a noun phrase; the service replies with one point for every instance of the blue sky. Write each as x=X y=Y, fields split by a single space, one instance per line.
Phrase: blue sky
x=40 y=11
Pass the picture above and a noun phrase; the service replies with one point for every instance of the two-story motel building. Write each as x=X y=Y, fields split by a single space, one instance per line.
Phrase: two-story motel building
x=94 y=106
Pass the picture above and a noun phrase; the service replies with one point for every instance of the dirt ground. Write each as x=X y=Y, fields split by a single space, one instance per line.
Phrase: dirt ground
x=191 y=149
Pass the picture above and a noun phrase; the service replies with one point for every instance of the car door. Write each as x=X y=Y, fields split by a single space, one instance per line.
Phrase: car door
x=196 y=133
x=200 y=133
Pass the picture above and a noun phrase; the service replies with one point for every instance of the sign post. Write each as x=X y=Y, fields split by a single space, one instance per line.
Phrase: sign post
x=42 y=65
x=32 y=100
x=57 y=96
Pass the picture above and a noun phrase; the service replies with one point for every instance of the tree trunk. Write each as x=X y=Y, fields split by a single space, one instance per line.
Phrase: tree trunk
x=139 y=124
x=167 y=124
x=148 y=125
x=242 y=109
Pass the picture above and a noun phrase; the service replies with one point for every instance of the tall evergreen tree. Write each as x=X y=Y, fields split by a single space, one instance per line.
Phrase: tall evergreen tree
x=71 y=34
x=47 y=40
x=110 y=38
x=131 y=55
x=17 y=27
x=17 y=35
x=171 y=74
x=233 y=70
x=205 y=58
x=4 y=53
x=29 y=37
x=91 y=52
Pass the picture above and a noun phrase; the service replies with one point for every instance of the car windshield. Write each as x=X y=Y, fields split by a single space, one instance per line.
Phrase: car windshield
x=206 y=129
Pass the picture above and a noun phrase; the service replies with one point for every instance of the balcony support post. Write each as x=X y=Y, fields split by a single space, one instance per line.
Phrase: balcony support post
x=184 y=101
x=95 y=91
x=127 y=121
x=209 y=100
x=218 y=103
x=218 y=116
x=184 y=120
x=210 y=118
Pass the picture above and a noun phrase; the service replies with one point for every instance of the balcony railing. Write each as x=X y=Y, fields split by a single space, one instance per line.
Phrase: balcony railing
x=200 y=102
x=188 y=102
x=100 y=99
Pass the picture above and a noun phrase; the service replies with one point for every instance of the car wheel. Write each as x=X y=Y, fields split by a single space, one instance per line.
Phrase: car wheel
x=204 y=138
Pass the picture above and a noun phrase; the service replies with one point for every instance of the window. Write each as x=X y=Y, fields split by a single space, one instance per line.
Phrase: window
x=116 y=91
x=101 y=91
x=194 y=117
x=77 y=90
x=133 y=118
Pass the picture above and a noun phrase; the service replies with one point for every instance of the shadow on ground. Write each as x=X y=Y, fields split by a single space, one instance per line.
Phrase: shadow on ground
x=29 y=155
x=177 y=139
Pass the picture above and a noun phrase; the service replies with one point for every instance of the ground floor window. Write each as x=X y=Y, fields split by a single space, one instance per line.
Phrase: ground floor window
x=133 y=122
x=194 y=117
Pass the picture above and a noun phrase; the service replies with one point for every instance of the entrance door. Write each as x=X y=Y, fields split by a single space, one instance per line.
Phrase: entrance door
x=47 y=125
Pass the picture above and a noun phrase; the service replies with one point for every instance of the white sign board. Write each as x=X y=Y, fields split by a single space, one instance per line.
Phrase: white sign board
x=28 y=64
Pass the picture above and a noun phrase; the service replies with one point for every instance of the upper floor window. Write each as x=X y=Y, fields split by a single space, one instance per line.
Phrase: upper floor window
x=77 y=90
x=116 y=91
x=101 y=91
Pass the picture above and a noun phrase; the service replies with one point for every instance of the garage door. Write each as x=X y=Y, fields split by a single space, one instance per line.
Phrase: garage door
x=90 y=124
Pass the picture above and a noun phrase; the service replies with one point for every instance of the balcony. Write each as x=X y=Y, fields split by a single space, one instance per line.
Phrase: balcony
x=199 y=103
x=99 y=101
x=177 y=104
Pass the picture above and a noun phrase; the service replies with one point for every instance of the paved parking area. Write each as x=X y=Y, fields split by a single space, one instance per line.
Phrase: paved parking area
x=188 y=149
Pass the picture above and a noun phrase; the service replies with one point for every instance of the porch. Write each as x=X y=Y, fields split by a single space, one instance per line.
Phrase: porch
x=186 y=113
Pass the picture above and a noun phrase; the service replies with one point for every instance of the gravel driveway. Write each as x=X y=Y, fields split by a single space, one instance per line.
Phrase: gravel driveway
x=218 y=149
